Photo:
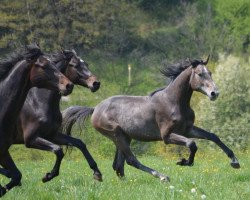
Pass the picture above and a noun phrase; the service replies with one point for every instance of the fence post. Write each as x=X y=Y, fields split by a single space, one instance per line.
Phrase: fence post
x=129 y=74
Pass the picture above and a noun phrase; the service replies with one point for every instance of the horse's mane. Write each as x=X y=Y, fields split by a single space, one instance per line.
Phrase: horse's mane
x=64 y=55
x=29 y=52
x=172 y=71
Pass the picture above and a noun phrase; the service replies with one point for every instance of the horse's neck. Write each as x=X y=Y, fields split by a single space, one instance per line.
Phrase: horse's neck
x=179 y=90
x=48 y=100
x=52 y=98
x=14 y=90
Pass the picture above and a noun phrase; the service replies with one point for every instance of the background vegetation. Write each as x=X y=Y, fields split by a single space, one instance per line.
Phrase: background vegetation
x=109 y=35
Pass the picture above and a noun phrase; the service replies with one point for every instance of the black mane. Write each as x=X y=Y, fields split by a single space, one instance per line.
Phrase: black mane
x=30 y=52
x=172 y=71
x=65 y=55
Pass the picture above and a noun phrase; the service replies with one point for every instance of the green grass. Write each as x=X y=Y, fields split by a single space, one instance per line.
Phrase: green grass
x=211 y=175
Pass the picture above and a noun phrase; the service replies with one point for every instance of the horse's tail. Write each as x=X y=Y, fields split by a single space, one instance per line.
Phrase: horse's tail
x=75 y=114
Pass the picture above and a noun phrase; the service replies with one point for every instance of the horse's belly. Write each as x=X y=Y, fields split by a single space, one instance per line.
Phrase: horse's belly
x=142 y=131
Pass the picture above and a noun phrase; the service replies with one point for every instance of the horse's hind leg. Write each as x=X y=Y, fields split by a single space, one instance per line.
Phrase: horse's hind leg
x=122 y=143
x=62 y=139
x=16 y=176
x=197 y=132
x=5 y=172
x=118 y=164
x=181 y=140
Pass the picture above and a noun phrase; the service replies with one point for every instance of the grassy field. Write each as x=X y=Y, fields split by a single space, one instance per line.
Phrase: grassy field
x=211 y=177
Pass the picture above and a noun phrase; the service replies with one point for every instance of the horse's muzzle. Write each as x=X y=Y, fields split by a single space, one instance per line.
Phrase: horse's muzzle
x=213 y=95
x=96 y=86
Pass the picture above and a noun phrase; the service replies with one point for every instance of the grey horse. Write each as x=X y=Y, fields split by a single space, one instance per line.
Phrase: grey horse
x=164 y=115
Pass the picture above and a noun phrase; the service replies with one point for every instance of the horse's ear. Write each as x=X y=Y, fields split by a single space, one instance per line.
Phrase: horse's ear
x=195 y=63
x=61 y=49
x=205 y=63
x=73 y=50
x=37 y=44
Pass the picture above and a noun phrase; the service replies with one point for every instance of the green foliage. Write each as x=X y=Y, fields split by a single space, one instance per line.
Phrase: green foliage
x=233 y=19
x=110 y=35
x=229 y=115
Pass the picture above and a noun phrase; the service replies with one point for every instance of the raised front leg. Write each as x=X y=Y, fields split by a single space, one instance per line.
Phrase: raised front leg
x=197 y=132
x=183 y=141
x=62 y=139
x=42 y=144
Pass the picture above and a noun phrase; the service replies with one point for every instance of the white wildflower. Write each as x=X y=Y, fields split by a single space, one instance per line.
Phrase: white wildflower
x=193 y=190
x=203 y=196
x=171 y=187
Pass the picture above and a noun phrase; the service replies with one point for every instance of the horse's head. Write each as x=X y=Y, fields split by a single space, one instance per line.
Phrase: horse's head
x=44 y=74
x=78 y=72
x=201 y=79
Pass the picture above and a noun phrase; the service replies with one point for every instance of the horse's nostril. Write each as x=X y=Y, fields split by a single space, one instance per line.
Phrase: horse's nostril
x=69 y=86
x=96 y=84
x=213 y=94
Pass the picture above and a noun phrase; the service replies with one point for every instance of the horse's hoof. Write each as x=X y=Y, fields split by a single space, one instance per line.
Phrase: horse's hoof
x=165 y=179
x=97 y=176
x=47 y=178
x=120 y=174
x=235 y=165
x=184 y=162
x=2 y=191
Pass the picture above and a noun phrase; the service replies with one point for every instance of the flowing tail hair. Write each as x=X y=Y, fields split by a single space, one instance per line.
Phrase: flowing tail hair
x=75 y=114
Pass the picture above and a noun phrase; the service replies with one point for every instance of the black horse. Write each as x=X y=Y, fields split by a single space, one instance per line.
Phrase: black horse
x=18 y=74
x=40 y=119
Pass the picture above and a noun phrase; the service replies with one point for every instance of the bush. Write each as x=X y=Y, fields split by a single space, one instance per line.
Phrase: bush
x=229 y=115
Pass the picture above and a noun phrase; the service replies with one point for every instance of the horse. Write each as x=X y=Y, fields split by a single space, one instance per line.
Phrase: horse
x=164 y=115
x=18 y=73
x=38 y=126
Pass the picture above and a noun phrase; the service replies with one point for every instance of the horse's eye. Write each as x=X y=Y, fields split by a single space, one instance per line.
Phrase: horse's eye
x=200 y=74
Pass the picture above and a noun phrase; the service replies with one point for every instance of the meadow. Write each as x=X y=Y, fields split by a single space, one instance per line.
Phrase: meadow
x=211 y=177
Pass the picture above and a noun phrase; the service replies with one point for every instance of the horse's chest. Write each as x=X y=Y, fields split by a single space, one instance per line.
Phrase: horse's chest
x=50 y=126
x=184 y=122
x=178 y=121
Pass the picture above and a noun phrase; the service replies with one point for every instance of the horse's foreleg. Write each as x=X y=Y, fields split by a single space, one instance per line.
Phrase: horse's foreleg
x=42 y=144
x=118 y=164
x=62 y=139
x=197 y=132
x=16 y=176
x=183 y=141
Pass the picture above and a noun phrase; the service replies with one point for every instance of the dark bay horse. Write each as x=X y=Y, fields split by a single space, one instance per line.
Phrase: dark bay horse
x=18 y=74
x=40 y=118
x=164 y=115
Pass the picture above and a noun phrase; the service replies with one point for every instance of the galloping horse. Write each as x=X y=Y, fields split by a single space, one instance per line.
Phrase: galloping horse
x=40 y=118
x=164 y=115
x=18 y=74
